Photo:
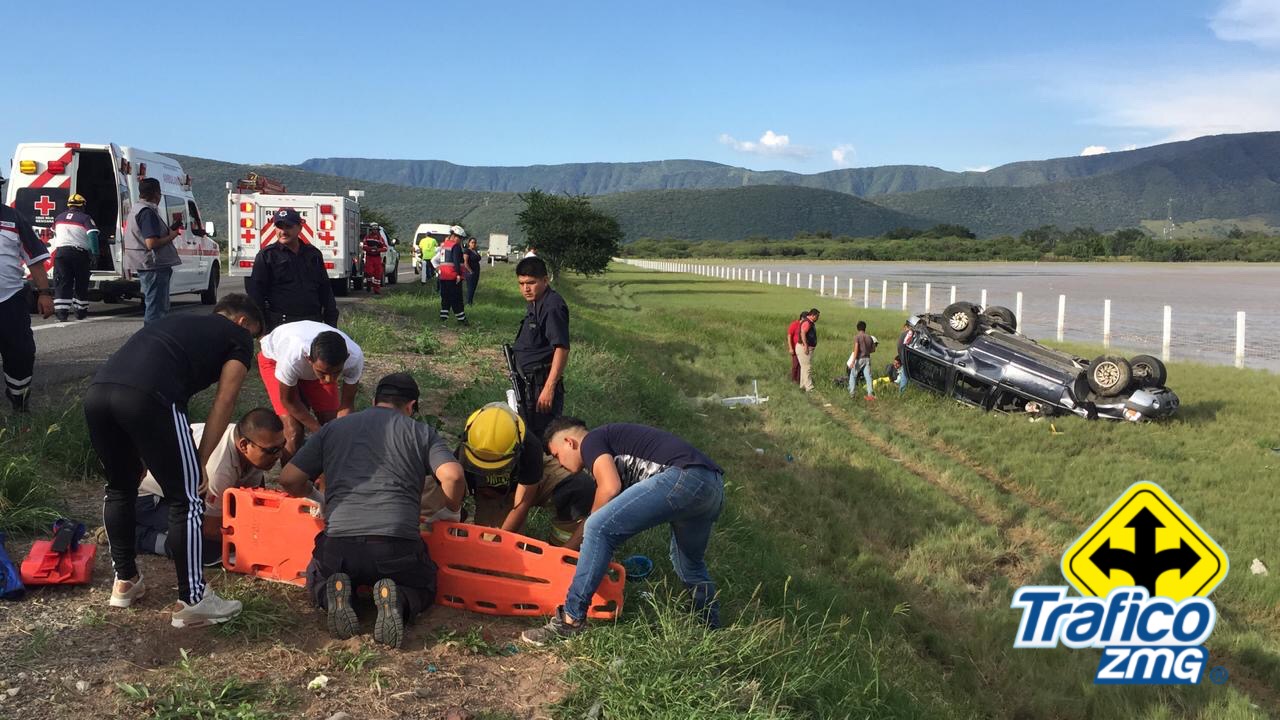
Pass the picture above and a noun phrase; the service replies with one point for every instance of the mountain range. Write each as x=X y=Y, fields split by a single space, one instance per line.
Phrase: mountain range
x=1219 y=177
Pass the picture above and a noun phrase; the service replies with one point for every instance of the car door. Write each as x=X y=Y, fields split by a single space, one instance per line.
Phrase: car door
x=186 y=276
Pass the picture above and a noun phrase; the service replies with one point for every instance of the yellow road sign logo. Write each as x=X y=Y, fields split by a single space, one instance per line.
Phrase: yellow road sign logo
x=1145 y=539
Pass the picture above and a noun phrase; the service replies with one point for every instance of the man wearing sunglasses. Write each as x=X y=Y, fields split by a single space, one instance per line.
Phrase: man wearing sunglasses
x=246 y=449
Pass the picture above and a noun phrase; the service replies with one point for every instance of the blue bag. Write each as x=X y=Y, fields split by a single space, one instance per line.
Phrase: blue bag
x=11 y=587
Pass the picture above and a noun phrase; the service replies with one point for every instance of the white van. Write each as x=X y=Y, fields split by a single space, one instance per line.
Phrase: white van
x=44 y=175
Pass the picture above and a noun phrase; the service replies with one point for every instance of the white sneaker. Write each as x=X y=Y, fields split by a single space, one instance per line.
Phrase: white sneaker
x=124 y=592
x=211 y=610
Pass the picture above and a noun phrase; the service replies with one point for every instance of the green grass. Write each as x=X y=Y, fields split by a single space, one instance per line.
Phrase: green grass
x=923 y=503
x=193 y=692
x=35 y=448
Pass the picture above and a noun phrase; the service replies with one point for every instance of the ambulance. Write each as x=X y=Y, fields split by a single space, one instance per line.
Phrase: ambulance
x=329 y=222
x=43 y=175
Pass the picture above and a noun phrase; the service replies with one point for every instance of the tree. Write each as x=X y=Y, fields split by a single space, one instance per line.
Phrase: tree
x=370 y=215
x=568 y=233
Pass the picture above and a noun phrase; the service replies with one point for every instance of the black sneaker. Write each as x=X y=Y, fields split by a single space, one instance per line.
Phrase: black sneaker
x=61 y=315
x=82 y=314
x=557 y=628
x=388 y=629
x=343 y=622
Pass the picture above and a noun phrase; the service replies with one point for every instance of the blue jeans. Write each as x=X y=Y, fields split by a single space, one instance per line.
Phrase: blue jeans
x=689 y=499
x=155 y=292
x=902 y=378
x=861 y=365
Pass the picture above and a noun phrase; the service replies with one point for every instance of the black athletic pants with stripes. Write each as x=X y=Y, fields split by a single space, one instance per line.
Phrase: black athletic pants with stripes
x=71 y=269
x=134 y=431
x=17 y=347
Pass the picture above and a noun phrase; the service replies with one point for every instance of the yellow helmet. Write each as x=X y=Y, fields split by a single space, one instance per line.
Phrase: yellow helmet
x=76 y=200
x=493 y=438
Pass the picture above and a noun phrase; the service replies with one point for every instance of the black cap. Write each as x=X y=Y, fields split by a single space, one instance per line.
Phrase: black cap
x=401 y=385
x=287 y=216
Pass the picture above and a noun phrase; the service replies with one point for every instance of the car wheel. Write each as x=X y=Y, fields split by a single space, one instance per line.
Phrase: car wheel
x=998 y=315
x=960 y=322
x=1148 y=372
x=210 y=295
x=1109 y=375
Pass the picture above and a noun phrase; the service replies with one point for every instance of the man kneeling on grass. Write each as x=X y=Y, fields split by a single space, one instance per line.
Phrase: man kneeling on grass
x=644 y=477
x=375 y=463
x=245 y=450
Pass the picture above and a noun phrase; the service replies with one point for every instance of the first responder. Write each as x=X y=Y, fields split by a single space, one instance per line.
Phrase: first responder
x=427 y=249
x=75 y=242
x=452 y=276
x=509 y=473
x=19 y=246
x=374 y=247
x=289 y=281
x=542 y=344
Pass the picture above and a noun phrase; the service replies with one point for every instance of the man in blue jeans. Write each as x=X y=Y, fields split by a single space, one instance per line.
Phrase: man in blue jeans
x=149 y=250
x=644 y=477
x=860 y=360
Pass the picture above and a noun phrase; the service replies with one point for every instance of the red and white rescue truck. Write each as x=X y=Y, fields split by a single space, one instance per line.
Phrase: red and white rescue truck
x=329 y=222
x=44 y=175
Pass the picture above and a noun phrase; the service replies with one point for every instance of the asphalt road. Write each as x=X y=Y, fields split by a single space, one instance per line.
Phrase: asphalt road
x=67 y=352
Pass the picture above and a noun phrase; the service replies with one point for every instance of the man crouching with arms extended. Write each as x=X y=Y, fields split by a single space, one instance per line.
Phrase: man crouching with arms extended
x=375 y=463
x=644 y=477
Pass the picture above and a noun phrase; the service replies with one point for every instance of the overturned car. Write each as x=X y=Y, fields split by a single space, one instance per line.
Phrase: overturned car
x=977 y=356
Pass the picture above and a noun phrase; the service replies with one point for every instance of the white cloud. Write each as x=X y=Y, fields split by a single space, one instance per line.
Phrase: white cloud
x=1189 y=106
x=1094 y=150
x=980 y=168
x=842 y=155
x=770 y=144
x=1253 y=21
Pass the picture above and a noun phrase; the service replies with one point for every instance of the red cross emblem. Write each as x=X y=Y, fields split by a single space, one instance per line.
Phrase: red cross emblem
x=45 y=206
x=327 y=237
x=247 y=236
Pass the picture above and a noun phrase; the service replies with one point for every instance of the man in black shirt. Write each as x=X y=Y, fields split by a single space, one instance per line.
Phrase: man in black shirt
x=289 y=281
x=542 y=344
x=136 y=408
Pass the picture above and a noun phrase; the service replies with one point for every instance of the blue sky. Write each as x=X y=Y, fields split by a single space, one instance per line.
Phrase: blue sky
x=805 y=86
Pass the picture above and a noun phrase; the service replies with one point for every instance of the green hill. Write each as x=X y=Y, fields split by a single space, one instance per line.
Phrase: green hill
x=689 y=214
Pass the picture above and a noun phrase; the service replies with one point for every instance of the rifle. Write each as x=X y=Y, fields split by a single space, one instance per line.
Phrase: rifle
x=519 y=387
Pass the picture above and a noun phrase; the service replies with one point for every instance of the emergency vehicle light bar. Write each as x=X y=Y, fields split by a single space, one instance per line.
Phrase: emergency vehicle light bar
x=57 y=167
x=246 y=222
x=326 y=209
x=246 y=207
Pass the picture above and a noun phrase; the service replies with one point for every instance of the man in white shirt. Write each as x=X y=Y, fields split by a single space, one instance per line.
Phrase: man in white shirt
x=301 y=364
x=246 y=449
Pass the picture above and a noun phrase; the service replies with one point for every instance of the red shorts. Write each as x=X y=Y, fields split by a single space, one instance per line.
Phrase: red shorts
x=315 y=394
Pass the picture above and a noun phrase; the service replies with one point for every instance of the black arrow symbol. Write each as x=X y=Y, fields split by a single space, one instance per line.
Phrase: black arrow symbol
x=1143 y=563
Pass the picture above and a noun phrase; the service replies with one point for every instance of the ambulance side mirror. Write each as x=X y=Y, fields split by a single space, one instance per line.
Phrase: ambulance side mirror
x=209 y=229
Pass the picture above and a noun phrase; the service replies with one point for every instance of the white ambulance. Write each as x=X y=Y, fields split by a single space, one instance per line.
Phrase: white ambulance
x=329 y=222
x=44 y=175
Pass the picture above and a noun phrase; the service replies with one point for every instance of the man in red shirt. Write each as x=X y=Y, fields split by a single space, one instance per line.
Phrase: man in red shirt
x=793 y=338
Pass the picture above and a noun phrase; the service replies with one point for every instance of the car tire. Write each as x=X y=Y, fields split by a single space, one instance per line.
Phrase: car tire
x=960 y=322
x=210 y=294
x=1003 y=316
x=1148 y=372
x=1109 y=375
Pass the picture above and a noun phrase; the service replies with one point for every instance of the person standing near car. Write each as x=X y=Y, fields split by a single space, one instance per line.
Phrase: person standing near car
x=75 y=242
x=427 y=251
x=374 y=247
x=136 y=410
x=19 y=247
x=289 y=281
x=863 y=346
x=542 y=344
x=452 y=277
x=804 y=347
x=472 y=258
x=149 y=250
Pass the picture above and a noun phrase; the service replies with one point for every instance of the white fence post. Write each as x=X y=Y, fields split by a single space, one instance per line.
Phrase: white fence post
x=904 y=296
x=822 y=285
x=1062 y=315
x=1168 y=333
x=866 y=293
x=953 y=293
x=884 y=293
x=1017 y=309
x=928 y=291
x=1240 y=339
x=810 y=281
x=770 y=277
x=1106 y=323
x=983 y=302
x=788 y=279
x=850 y=289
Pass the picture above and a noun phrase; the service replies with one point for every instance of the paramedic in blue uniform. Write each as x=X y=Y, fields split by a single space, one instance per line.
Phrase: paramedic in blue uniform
x=75 y=242
x=19 y=247
x=289 y=281
x=542 y=344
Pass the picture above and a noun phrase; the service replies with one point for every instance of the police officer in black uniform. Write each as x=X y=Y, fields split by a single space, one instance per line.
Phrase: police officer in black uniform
x=542 y=345
x=19 y=246
x=289 y=281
